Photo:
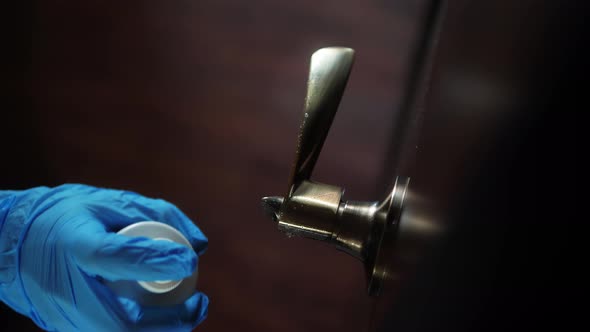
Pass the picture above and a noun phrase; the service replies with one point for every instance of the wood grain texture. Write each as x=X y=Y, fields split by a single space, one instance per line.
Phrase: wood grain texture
x=199 y=103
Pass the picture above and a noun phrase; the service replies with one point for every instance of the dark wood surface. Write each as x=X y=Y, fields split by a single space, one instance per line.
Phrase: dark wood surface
x=199 y=103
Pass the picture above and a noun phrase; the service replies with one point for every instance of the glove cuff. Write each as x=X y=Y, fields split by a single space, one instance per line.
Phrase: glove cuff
x=15 y=210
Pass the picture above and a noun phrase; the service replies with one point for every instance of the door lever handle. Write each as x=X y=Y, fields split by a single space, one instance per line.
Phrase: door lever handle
x=316 y=210
x=328 y=74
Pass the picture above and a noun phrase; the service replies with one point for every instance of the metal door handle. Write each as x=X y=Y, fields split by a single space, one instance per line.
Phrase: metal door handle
x=316 y=210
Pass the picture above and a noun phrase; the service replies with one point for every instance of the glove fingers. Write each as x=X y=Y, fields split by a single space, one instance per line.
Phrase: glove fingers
x=178 y=318
x=118 y=257
x=118 y=208
x=166 y=212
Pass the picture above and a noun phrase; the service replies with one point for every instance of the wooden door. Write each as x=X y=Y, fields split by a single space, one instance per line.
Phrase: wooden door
x=199 y=103
x=483 y=241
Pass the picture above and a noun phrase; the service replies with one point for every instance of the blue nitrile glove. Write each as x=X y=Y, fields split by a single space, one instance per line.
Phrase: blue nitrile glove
x=58 y=244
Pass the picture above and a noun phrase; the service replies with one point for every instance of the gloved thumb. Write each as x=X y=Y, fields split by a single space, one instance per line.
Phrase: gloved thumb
x=119 y=257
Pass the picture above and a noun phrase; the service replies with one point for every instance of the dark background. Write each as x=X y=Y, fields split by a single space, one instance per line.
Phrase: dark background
x=199 y=103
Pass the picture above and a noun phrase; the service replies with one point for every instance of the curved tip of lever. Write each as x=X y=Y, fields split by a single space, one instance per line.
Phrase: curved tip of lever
x=346 y=51
x=329 y=70
x=271 y=206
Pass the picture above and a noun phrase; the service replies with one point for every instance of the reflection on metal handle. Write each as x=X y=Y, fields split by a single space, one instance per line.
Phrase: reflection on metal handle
x=328 y=75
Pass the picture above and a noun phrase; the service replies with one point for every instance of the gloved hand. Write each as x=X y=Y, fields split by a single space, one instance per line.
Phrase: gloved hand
x=58 y=245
